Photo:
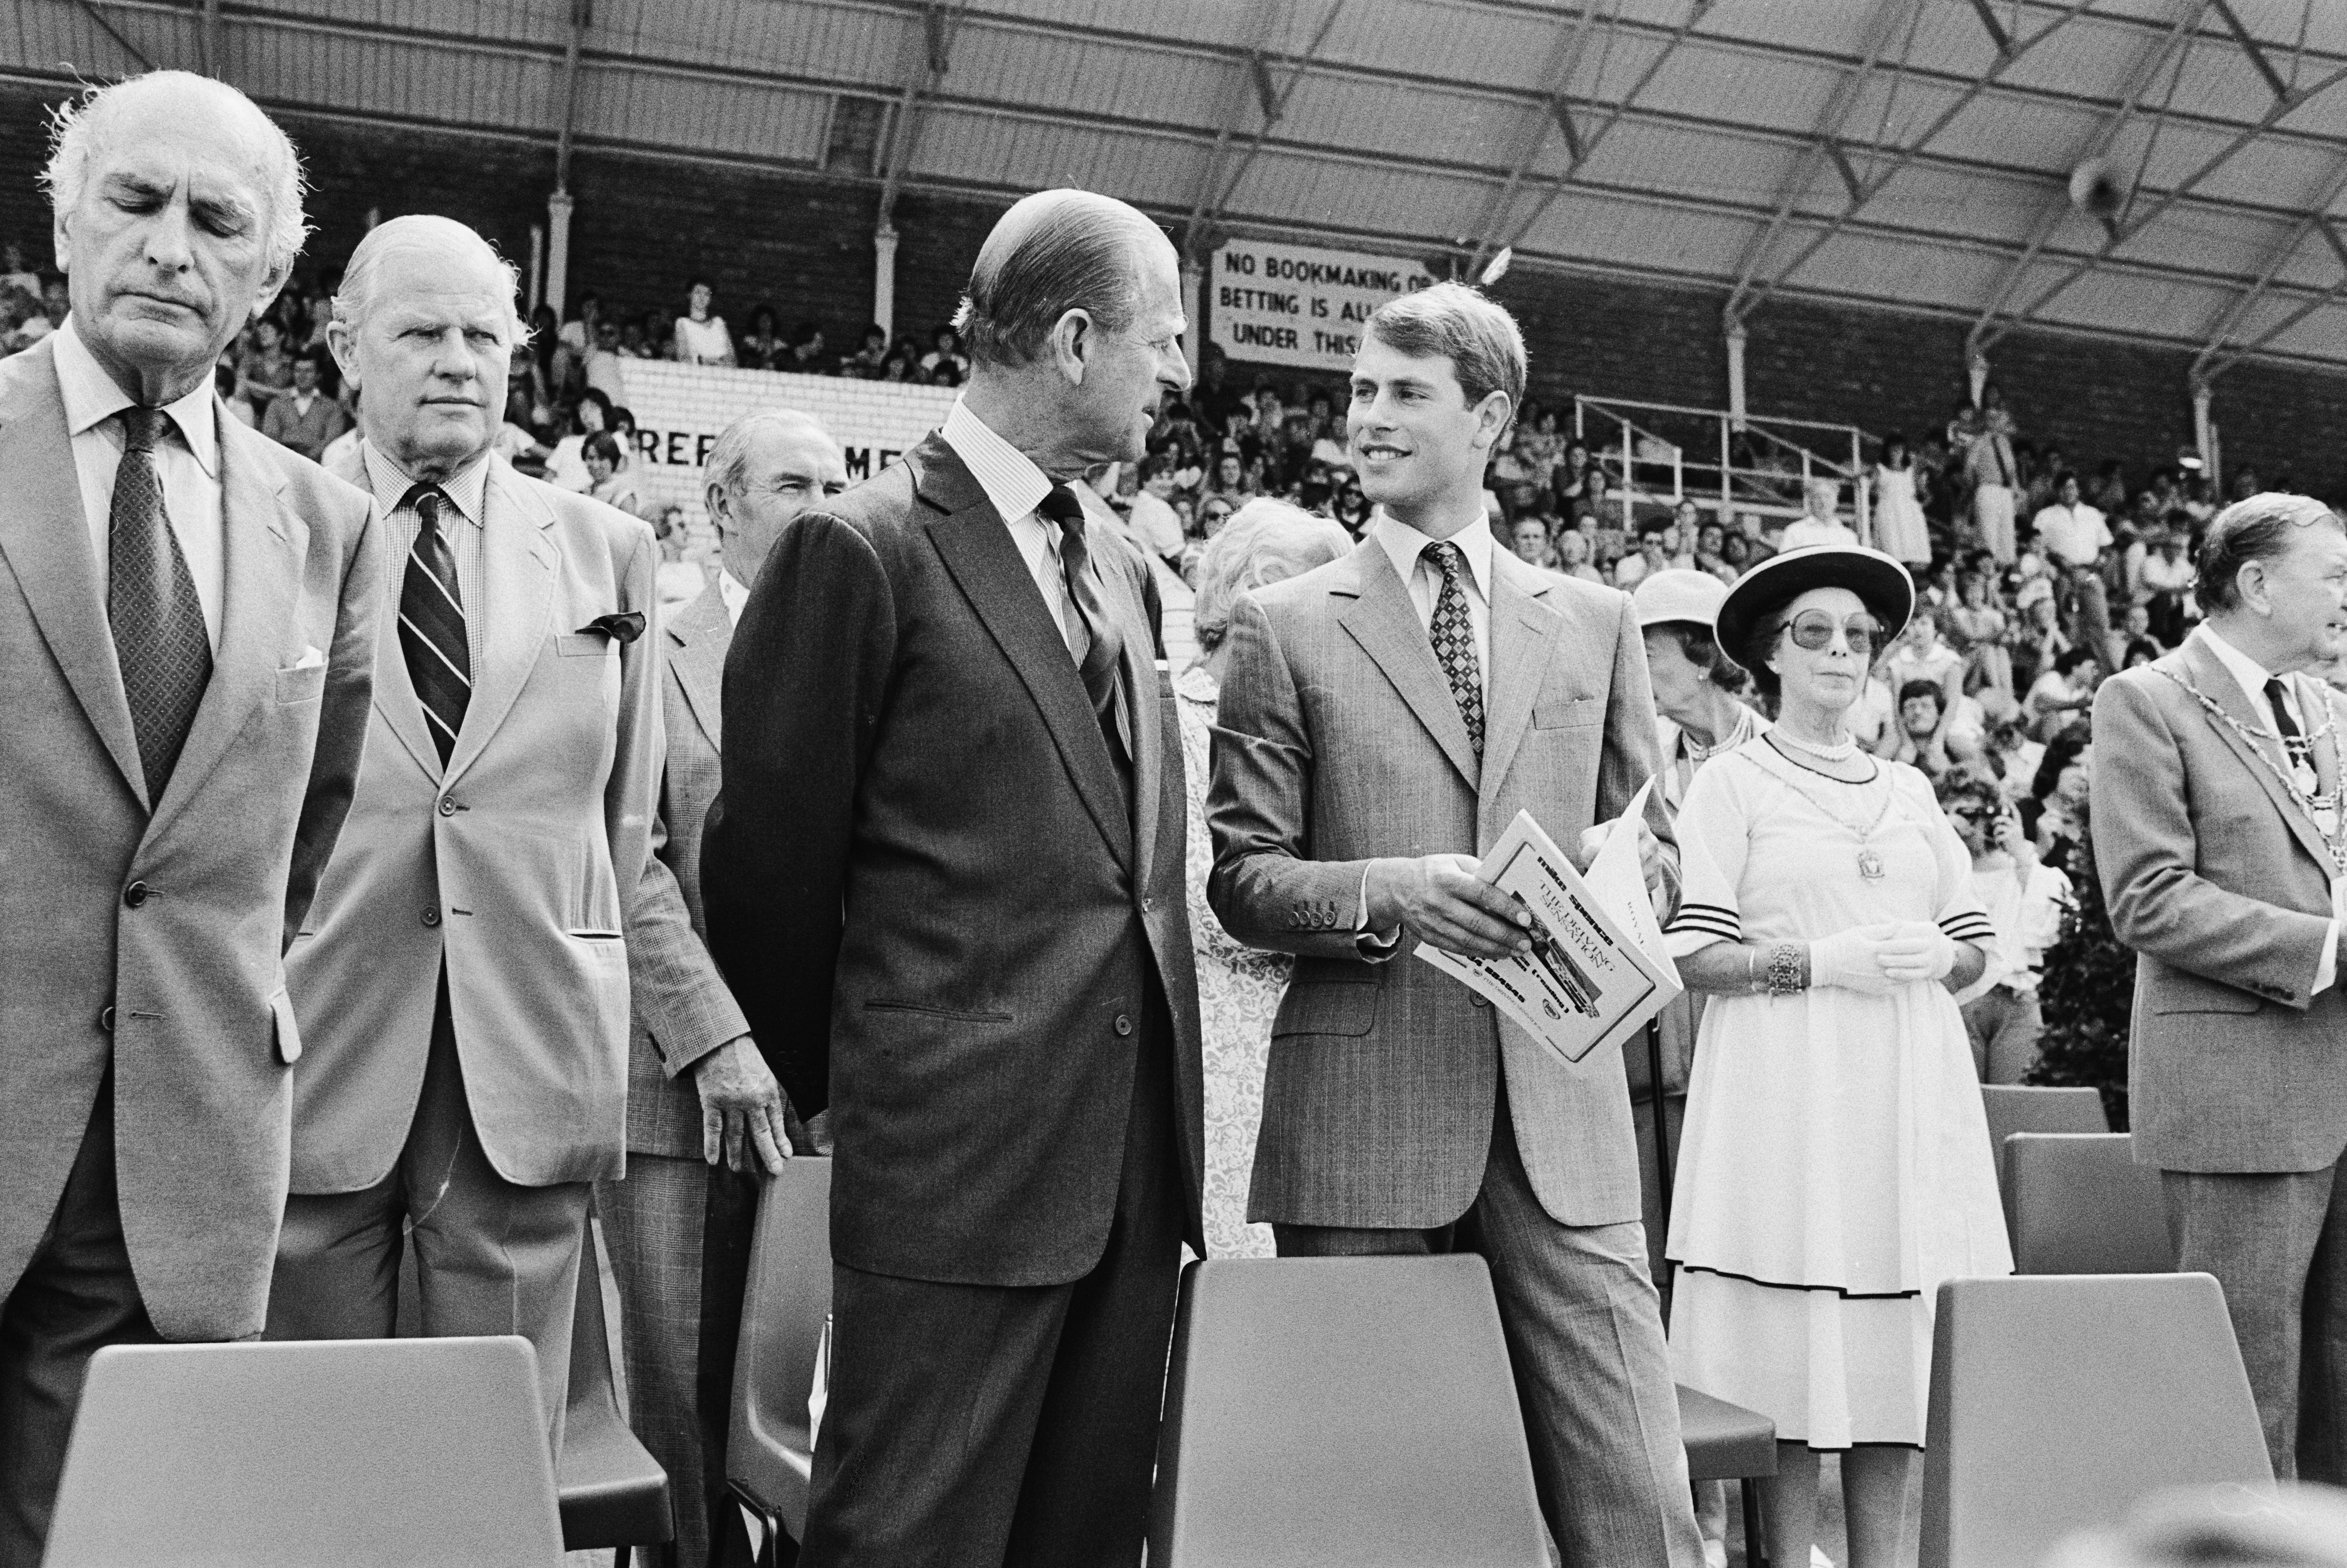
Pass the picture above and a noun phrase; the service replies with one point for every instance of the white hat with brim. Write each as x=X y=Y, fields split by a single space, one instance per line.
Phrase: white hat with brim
x=1678 y=594
x=1878 y=580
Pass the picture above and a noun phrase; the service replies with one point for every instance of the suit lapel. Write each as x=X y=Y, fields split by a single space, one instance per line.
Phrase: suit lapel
x=2209 y=674
x=518 y=562
x=1523 y=632
x=266 y=545
x=697 y=643
x=976 y=545
x=45 y=535
x=1385 y=623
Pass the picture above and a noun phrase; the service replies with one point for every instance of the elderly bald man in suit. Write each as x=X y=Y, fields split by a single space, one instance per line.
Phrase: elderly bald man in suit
x=463 y=976
x=188 y=616
x=704 y=1110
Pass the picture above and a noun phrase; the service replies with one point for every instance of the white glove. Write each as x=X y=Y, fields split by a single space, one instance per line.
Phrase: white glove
x=1851 y=961
x=1918 y=950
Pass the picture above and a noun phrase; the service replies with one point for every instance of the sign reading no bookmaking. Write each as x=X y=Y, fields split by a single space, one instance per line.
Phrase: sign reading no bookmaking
x=681 y=409
x=1290 y=305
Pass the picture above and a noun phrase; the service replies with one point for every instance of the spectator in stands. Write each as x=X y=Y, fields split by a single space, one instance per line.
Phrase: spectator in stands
x=2038 y=640
x=305 y=418
x=1992 y=473
x=865 y=364
x=1818 y=524
x=1528 y=537
x=2075 y=539
x=1151 y=523
x=2062 y=693
x=14 y=272
x=566 y=465
x=1230 y=483
x=1214 y=513
x=1351 y=507
x=2056 y=813
x=1239 y=987
x=266 y=368
x=603 y=371
x=55 y=300
x=1981 y=629
x=529 y=395
x=579 y=332
x=1900 y=529
x=2042 y=470
x=700 y=334
x=946 y=356
x=2167 y=583
x=639 y=333
x=1809 y=1238
x=2023 y=900
x=224 y=385
x=901 y=365
x=606 y=482
x=806 y=357
x=1920 y=653
x=762 y=347
x=1575 y=481
x=1572 y=556
x=1922 y=714
x=2134 y=626
x=2110 y=491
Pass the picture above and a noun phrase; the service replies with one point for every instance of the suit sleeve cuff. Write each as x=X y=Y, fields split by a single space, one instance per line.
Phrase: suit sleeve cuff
x=1376 y=947
x=680 y=1049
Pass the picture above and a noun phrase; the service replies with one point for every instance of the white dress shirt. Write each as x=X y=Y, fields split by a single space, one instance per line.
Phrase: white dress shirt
x=732 y=595
x=189 y=468
x=1405 y=546
x=2076 y=534
x=2252 y=678
x=469 y=492
x=1016 y=487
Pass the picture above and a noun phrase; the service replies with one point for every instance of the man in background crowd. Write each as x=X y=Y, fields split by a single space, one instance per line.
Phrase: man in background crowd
x=187 y=617
x=462 y=982
x=306 y=418
x=704 y=1110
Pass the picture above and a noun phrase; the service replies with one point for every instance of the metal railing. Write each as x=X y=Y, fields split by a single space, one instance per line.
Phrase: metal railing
x=1665 y=452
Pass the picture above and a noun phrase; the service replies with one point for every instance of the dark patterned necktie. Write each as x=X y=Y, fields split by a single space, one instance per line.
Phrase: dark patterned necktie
x=1452 y=632
x=432 y=623
x=2293 y=741
x=160 y=637
x=1104 y=648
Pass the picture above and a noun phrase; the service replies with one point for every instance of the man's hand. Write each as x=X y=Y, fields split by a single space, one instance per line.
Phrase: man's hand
x=1650 y=861
x=1440 y=900
x=741 y=1107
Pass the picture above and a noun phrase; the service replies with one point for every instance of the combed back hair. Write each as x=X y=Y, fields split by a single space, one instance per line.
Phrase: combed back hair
x=729 y=459
x=2259 y=528
x=1265 y=542
x=422 y=232
x=1476 y=334
x=1054 y=251
x=79 y=127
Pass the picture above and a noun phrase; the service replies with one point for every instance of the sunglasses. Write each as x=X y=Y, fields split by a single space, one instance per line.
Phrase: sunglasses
x=1814 y=630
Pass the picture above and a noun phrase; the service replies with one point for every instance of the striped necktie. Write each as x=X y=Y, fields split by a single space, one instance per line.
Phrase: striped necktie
x=160 y=637
x=1103 y=650
x=432 y=623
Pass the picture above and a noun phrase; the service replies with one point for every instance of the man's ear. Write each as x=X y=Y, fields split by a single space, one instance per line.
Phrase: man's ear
x=341 y=341
x=1492 y=417
x=1073 y=338
x=718 y=503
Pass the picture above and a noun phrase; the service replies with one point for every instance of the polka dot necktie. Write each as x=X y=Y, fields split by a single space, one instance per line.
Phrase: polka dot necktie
x=1452 y=632
x=160 y=637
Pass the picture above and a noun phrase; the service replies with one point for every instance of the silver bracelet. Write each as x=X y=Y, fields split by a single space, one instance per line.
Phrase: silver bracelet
x=1751 y=960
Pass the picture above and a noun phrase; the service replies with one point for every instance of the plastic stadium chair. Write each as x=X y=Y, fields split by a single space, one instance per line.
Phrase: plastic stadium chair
x=771 y=1453
x=1728 y=1442
x=613 y=1493
x=2027 y=1108
x=417 y=1452
x=1354 y=1412
x=2078 y=1203
x=2057 y=1401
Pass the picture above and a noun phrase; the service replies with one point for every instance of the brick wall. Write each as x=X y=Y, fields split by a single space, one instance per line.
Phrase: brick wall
x=644 y=227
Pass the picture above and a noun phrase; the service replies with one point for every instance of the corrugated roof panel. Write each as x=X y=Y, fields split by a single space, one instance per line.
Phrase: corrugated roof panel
x=1596 y=228
x=973 y=147
x=837 y=45
x=1437 y=39
x=1720 y=84
x=1660 y=155
x=616 y=104
x=1414 y=122
x=2323 y=336
x=1085 y=76
x=1409 y=204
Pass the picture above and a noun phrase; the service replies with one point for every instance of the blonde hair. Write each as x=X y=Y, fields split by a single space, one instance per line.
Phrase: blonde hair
x=1265 y=541
x=1475 y=333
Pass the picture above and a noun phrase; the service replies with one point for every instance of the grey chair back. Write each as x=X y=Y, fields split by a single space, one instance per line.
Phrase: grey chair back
x=2078 y=1203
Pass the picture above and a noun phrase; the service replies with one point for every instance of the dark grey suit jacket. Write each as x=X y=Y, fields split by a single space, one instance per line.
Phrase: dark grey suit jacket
x=925 y=884
x=2223 y=889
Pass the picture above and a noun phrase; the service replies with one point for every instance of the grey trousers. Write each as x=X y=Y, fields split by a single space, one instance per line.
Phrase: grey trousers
x=2005 y=1026
x=1584 y=1333
x=491 y=1256
x=2278 y=1244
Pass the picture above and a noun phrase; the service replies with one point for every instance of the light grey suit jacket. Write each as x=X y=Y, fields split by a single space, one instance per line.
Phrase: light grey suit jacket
x=190 y=980
x=506 y=868
x=2222 y=887
x=682 y=1008
x=1337 y=741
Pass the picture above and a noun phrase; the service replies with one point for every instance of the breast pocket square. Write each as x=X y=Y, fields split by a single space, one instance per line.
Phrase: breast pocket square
x=621 y=627
x=312 y=659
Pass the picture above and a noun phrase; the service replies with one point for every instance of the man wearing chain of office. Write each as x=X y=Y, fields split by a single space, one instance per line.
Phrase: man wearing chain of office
x=2216 y=832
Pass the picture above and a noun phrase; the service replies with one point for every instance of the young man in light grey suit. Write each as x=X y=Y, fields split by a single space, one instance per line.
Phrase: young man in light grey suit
x=1382 y=720
x=463 y=979
x=2217 y=835
x=705 y=1109
x=188 y=615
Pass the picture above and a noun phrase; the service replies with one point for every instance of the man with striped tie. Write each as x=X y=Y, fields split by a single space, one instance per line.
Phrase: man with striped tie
x=187 y=617
x=463 y=980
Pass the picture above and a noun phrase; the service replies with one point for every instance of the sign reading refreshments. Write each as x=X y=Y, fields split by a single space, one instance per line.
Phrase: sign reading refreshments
x=1292 y=304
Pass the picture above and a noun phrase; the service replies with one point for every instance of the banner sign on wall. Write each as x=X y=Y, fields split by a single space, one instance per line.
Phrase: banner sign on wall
x=681 y=409
x=1292 y=304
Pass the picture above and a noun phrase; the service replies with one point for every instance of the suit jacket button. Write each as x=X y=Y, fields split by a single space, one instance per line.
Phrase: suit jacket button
x=106 y=1018
x=1148 y=904
x=1123 y=1024
x=447 y=806
x=135 y=894
x=432 y=917
x=1477 y=999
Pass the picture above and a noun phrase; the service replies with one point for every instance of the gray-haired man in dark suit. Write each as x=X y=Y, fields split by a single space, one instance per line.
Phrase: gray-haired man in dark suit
x=704 y=1110
x=2216 y=833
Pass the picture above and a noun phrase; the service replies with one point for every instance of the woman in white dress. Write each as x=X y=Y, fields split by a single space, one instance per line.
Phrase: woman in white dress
x=1899 y=526
x=1835 y=1165
x=1239 y=987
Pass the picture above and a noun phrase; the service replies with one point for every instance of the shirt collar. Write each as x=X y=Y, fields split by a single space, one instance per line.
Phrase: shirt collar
x=92 y=398
x=731 y=592
x=2251 y=675
x=1404 y=545
x=1008 y=476
x=469 y=489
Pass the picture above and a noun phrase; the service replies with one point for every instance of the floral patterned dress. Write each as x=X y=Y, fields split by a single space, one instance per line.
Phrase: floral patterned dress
x=1239 y=990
